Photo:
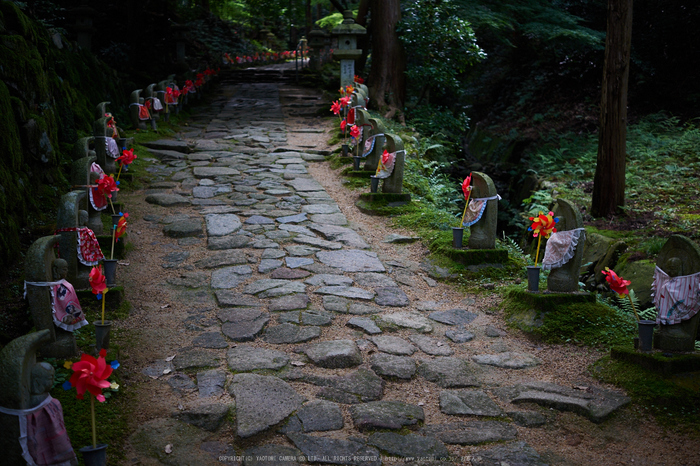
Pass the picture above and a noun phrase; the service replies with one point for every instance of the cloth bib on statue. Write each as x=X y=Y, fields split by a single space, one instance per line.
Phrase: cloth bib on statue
x=112 y=148
x=369 y=144
x=144 y=113
x=386 y=166
x=67 y=312
x=561 y=247
x=42 y=434
x=476 y=208
x=157 y=106
x=89 y=252
x=97 y=199
x=676 y=298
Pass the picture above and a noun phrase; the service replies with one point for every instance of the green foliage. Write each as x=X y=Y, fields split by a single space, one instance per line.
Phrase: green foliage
x=442 y=45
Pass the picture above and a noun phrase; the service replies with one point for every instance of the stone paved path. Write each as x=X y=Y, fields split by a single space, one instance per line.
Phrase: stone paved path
x=269 y=332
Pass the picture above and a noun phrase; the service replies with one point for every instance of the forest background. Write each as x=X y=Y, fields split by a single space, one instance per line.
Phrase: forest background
x=508 y=87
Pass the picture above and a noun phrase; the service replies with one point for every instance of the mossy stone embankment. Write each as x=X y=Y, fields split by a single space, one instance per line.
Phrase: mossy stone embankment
x=48 y=92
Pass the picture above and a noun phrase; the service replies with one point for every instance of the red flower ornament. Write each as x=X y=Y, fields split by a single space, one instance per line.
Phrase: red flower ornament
x=121 y=227
x=106 y=185
x=355 y=132
x=617 y=283
x=543 y=225
x=98 y=282
x=466 y=186
x=127 y=157
x=335 y=108
x=90 y=374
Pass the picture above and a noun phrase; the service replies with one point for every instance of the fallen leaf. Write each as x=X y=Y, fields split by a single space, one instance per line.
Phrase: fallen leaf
x=164 y=306
x=154 y=377
x=169 y=448
x=298 y=363
x=170 y=358
x=581 y=387
x=167 y=371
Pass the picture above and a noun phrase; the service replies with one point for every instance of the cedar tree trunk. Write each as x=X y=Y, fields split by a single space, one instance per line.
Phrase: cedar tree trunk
x=609 y=182
x=387 y=82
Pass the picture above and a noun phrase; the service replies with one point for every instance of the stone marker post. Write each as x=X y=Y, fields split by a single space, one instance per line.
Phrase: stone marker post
x=483 y=233
x=565 y=279
x=394 y=183
x=679 y=257
x=39 y=269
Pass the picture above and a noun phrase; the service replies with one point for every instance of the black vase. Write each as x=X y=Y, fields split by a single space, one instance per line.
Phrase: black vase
x=95 y=456
x=102 y=333
x=110 y=267
x=533 y=278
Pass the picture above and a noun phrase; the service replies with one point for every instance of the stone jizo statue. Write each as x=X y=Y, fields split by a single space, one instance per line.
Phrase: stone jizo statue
x=676 y=295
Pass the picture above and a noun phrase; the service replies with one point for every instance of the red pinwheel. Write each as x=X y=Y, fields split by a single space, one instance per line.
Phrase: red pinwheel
x=349 y=89
x=617 y=283
x=343 y=124
x=359 y=80
x=121 y=227
x=385 y=156
x=90 y=374
x=98 y=282
x=344 y=101
x=106 y=185
x=543 y=225
x=335 y=108
x=355 y=132
x=466 y=186
x=127 y=157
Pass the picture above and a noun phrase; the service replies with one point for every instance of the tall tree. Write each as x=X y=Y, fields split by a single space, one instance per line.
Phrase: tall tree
x=609 y=181
x=387 y=78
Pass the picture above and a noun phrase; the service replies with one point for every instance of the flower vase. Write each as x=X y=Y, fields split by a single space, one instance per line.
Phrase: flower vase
x=102 y=333
x=646 y=334
x=533 y=278
x=374 y=184
x=356 y=162
x=95 y=456
x=115 y=219
x=346 y=149
x=457 y=235
x=110 y=268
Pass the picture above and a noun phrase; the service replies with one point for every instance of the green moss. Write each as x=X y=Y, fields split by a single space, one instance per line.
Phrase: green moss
x=567 y=317
x=479 y=256
x=663 y=397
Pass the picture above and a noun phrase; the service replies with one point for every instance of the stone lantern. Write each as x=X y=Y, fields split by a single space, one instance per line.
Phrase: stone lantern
x=317 y=42
x=347 y=51
x=83 y=25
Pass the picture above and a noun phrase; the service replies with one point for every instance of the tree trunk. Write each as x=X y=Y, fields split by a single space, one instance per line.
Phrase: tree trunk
x=387 y=82
x=609 y=182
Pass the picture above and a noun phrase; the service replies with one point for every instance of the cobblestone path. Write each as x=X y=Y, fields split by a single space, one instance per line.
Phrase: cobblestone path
x=266 y=330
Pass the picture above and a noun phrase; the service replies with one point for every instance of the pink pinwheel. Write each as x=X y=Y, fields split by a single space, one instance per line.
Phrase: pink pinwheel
x=355 y=132
x=344 y=101
x=98 y=282
x=90 y=374
x=335 y=108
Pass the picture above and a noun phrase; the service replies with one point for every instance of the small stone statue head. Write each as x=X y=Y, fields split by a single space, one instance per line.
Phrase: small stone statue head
x=59 y=269
x=42 y=379
x=674 y=267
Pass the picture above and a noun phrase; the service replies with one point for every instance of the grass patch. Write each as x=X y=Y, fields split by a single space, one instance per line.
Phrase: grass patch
x=663 y=397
